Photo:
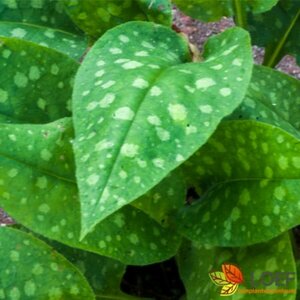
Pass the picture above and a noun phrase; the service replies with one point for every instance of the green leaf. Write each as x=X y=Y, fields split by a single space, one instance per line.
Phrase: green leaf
x=148 y=109
x=249 y=174
x=196 y=262
x=213 y=10
x=49 y=13
x=96 y=16
x=272 y=97
x=104 y=274
x=62 y=41
x=164 y=200
x=40 y=82
x=277 y=31
x=30 y=269
x=38 y=189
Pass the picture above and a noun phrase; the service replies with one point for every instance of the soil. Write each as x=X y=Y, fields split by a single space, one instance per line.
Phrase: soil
x=198 y=32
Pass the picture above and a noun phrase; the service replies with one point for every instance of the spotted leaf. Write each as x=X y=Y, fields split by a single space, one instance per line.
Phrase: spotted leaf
x=38 y=189
x=213 y=10
x=48 y=13
x=62 y=41
x=163 y=201
x=273 y=98
x=37 y=85
x=103 y=274
x=32 y=270
x=218 y=278
x=233 y=273
x=248 y=174
x=277 y=30
x=96 y=16
x=195 y=261
x=137 y=135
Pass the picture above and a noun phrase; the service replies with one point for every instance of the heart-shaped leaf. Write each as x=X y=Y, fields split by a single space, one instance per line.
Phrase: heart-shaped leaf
x=31 y=270
x=213 y=10
x=38 y=189
x=272 y=258
x=137 y=98
x=62 y=41
x=96 y=16
x=38 y=82
x=278 y=31
x=249 y=174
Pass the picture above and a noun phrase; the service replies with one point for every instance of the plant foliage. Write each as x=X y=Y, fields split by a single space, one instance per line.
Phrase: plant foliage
x=119 y=146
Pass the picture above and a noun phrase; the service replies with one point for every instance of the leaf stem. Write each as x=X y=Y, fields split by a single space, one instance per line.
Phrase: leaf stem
x=240 y=14
x=272 y=61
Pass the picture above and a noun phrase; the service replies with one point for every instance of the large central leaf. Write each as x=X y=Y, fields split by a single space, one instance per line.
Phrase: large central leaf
x=140 y=109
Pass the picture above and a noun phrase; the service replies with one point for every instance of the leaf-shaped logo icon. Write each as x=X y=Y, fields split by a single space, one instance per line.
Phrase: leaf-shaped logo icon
x=229 y=289
x=218 y=278
x=233 y=273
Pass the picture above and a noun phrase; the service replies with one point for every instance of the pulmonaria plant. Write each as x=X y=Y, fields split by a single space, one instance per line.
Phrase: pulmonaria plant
x=108 y=121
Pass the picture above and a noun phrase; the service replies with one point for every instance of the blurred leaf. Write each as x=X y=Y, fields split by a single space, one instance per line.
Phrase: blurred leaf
x=37 y=86
x=62 y=41
x=34 y=271
x=214 y=10
x=249 y=173
x=277 y=31
x=48 y=13
x=196 y=262
x=38 y=189
x=104 y=274
x=144 y=99
x=95 y=17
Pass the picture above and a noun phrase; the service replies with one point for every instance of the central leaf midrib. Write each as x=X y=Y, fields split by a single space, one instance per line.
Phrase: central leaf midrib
x=113 y=165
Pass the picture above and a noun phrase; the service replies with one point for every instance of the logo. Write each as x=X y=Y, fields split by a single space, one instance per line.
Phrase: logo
x=228 y=280
x=263 y=283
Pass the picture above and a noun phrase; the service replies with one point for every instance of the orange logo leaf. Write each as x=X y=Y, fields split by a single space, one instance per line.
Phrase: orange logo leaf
x=218 y=278
x=233 y=274
x=229 y=289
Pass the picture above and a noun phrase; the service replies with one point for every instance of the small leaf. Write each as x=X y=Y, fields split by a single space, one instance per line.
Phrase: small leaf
x=96 y=16
x=218 y=278
x=229 y=289
x=248 y=174
x=137 y=135
x=31 y=270
x=214 y=10
x=233 y=273
x=62 y=41
x=40 y=86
